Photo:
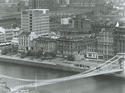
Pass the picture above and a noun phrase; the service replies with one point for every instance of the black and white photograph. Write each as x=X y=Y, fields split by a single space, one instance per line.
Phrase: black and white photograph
x=62 y=46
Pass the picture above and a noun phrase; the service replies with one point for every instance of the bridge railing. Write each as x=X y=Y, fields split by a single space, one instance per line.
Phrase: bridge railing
x=111 y=61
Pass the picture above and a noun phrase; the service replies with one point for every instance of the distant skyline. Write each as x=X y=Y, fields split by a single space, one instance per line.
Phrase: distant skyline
x=11 y=1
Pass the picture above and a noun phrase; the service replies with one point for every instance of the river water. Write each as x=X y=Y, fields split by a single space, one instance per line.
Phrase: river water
x=16 y=75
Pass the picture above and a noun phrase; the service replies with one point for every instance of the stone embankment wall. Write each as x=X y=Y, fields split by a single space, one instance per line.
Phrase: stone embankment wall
x=39 y=64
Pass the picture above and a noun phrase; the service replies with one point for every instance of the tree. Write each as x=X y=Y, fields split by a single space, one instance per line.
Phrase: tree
x=50 y=54
x=6 y=50
x=71 y=58
x=23 y=54
x=14 y=49
x=39 y=53
x=29 y=53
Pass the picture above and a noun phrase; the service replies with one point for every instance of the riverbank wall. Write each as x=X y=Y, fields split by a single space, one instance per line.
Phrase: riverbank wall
x=47 y=65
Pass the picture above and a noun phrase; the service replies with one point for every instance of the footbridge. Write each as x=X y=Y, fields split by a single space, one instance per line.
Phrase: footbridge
x=114 y=65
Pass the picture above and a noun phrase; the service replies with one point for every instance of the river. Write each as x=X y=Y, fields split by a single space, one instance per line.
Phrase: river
x=16 y=75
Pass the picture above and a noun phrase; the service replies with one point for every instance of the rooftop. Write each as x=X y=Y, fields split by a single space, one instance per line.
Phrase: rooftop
x=24 y=33
x=70 y=11
x=37 y=9
x=122 y=27
x=51 y=36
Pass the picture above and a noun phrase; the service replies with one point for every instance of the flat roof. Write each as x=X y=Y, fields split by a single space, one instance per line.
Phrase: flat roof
x=36 y=9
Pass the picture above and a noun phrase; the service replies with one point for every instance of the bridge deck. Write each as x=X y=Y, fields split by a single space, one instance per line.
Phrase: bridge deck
x=105 y=68
x=47 y=82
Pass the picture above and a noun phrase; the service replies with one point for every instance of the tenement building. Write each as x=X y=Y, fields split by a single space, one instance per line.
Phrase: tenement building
x=75 y=36
x=55 y=22
x=105 y=40
x=24 y=41
x=119 y=38
x=72 y=42
x=11 y=34
x=2 y=37
x=45 y=44
x=80 y=21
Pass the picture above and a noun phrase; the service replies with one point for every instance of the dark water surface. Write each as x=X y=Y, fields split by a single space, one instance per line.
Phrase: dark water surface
x=98 y=84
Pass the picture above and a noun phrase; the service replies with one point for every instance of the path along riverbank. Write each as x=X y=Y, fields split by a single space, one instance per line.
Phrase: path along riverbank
x=39 y=63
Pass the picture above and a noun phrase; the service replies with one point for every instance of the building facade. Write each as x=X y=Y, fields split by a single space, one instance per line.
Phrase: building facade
x=82 y=23
x=44 y=44
x=73 y=42
x=35 y=20
x=2 y=37
x=81 y=3
x=11 y=34
x=11 y=21
x=43 y=4
x=55 y=22
x=119 y=38
x=72 y=20
x=105 y=41
x=24 y=41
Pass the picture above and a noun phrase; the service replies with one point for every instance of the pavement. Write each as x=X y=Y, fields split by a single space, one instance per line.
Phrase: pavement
x=58 y=61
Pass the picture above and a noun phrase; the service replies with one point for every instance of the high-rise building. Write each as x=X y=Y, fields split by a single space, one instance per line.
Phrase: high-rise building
x=35 y=20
